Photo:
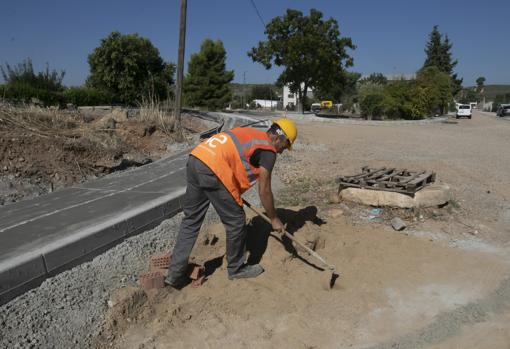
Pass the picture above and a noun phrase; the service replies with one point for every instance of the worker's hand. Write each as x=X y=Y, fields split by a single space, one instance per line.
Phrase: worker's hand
x=277 y=225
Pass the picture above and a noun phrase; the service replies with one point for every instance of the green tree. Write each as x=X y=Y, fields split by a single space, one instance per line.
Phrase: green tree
x=377 y=78
x=398 y=100
x=129 y=67
x=263 y=92
x=438 y=54
x=311 y=50
x=207 y=81
x=480 y=83
x=437 y=85
x=342 y=90
x=467 y=95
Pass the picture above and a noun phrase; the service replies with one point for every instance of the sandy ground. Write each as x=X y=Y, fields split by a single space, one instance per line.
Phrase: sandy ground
x=390 y=284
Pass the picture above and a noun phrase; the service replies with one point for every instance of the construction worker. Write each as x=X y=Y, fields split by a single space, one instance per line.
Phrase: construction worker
x=219 y=171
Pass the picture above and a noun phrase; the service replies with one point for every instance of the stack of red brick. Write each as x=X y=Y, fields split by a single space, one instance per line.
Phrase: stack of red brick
x=158 y=270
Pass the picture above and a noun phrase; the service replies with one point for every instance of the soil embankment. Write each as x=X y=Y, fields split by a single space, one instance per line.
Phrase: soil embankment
x=42 y=150
x=390 y=284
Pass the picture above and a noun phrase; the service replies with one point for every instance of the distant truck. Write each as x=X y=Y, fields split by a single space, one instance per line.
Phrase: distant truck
x=326 y=104
x=322 y=106
x=463 y=111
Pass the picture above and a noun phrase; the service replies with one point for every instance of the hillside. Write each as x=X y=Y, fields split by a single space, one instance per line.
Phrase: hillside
x=491 y=91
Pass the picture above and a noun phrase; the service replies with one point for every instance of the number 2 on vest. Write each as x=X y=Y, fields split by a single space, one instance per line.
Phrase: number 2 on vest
x=222 y=139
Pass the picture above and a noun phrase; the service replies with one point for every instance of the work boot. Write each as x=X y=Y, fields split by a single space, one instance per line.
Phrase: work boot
x=177 y=282
x=247 y=271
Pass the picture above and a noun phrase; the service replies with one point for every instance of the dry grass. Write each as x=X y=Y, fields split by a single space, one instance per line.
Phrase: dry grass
x=45 y=122
x=158 y=113
x=58 y=124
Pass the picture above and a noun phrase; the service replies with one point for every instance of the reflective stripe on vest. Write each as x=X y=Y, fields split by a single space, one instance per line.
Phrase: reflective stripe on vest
x=240 y=149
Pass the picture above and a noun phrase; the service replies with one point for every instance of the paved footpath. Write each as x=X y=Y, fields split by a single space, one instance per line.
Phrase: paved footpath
x=46 y=235
x=43 y=236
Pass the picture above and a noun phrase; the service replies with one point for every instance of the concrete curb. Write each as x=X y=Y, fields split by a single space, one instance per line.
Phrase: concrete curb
x=26 y=266
x=311 y=117
x=42 y=237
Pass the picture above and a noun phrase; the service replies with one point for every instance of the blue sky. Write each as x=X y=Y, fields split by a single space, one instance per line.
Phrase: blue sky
x=390 y=35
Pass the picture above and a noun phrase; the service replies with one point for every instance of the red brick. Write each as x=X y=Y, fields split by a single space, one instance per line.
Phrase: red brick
x=163 y=272
x=195 y=271
x=160 y=261
x=151 y=280
x=198 y=282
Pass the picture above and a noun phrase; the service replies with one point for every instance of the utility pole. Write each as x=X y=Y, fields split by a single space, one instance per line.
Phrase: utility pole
x=271 y=97
x=180 y=66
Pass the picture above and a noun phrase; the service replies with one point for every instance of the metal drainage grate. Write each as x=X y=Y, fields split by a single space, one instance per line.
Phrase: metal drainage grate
x=388 y=179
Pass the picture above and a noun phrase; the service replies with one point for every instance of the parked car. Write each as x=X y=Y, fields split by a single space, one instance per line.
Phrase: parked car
x=503 y=110
x=463 y=111
x=315 y=108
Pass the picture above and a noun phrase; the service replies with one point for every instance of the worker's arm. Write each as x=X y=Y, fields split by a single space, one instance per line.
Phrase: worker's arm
x=266 y=197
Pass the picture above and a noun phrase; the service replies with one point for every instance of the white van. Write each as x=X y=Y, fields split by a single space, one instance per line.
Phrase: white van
x=463 y=111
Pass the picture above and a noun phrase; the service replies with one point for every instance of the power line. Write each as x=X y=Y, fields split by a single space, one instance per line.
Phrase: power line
x=258 y=13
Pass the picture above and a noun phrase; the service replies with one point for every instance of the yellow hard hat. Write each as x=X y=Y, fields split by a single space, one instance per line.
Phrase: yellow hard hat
x=289 y=128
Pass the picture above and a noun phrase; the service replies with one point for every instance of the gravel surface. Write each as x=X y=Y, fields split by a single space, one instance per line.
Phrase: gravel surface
x=67 y=311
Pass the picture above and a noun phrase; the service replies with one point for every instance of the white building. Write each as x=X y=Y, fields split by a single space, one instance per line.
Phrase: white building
x=265 y=103
x=290 y=100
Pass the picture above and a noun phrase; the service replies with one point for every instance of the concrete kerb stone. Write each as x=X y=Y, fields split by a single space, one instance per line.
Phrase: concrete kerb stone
x=20 y=274
x=25 y=272
x=347 y=121
x=236 y=120
x=84 y=244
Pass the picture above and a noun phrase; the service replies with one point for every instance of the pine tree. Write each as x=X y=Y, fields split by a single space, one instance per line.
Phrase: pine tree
x=439 y=54
x=434 y=50
x=207 y=81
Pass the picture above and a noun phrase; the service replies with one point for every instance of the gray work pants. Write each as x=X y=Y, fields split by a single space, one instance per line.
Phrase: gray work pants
x=203 y=187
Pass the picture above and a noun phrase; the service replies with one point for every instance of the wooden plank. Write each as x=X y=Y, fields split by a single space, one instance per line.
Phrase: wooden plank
x=364 y=174
x=377 y=175
x=420 y=178
x=414 y=176
x=390 y=175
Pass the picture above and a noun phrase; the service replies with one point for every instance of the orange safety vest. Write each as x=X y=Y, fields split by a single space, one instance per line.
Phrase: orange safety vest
x=227 y=154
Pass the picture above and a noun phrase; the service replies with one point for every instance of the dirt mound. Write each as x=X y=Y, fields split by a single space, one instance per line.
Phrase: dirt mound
x=389 y=284
x=43 y=150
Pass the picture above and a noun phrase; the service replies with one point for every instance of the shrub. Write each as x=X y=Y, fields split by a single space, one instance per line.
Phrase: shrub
x=372 y=105
x=24 y=73
x=22 y=92
x=80 y=96
x=22 y=84
x=371 y=96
